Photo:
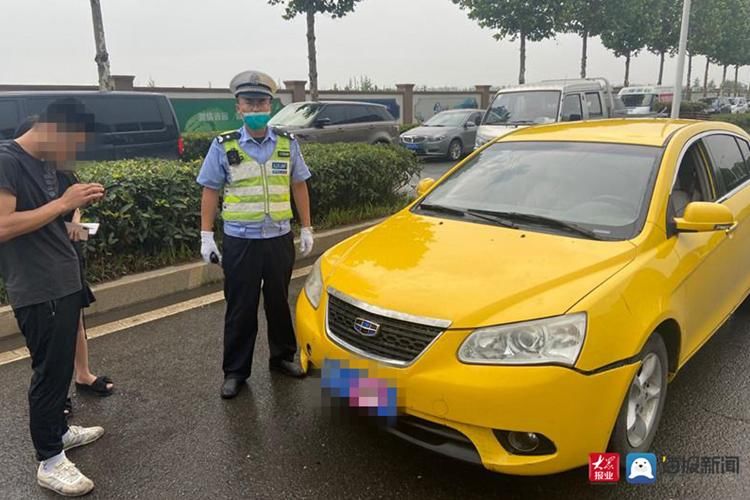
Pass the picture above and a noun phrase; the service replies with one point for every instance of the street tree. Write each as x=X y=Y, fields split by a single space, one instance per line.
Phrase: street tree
x=627 y=29
x=586 y=19
x=102 y=57
x=521 y=20
x=309 y=8
x=664 y=38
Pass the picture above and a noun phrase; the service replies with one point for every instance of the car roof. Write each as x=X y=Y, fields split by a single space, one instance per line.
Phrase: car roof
x=462 y=110
x=353 y=103
x=645 y=132
x=74 y=93
x=562 y=85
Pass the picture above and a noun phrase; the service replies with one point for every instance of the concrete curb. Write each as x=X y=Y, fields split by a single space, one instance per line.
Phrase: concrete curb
x=146 y=287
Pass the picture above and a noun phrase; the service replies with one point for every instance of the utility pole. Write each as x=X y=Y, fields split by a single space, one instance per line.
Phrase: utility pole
x=102 y=57
x=677 y=99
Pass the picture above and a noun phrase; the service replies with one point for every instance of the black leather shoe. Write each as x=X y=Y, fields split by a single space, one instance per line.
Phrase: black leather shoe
x=288 y=368
x=231 y=388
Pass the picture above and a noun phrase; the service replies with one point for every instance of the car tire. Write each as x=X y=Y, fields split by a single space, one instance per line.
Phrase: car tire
x=455 y=150
x=636 y=425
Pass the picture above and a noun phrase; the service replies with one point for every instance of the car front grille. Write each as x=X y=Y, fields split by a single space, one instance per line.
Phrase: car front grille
x=396 y=341
x=414 y=140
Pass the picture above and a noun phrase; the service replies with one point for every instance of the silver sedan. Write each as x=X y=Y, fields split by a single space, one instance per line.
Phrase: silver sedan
x=447 y=134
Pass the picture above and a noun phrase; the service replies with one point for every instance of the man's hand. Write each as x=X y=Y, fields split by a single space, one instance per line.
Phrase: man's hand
x=306 y=241
x=81 y=195
x=209 y=250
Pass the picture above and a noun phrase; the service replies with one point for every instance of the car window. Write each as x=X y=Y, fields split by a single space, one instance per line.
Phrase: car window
x=691 y=182
x=594 y=103
x=114 y=113
x=729 y=166
x=571 y=108
x=363 y=114
x=337 y=113
x=523 y=108
x=603 y=187
x=9 y=118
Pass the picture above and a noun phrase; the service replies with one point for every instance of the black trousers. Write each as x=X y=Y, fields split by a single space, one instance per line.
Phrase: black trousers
x=50 y=330
x=252 y=266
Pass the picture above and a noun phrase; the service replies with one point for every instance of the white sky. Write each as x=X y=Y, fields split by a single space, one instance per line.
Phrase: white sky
x=194 y=42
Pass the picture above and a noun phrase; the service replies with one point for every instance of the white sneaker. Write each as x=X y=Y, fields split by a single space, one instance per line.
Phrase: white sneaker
x=64 y=479
x=79 y=436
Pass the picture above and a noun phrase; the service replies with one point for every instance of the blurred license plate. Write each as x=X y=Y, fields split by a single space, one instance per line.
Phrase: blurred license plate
x=413 y=147
x=358 y=389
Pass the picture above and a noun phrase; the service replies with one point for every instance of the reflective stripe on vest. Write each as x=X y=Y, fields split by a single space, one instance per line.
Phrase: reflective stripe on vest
x=256 y=190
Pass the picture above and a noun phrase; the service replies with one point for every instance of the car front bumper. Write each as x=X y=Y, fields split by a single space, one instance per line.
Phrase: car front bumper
x=458 y=407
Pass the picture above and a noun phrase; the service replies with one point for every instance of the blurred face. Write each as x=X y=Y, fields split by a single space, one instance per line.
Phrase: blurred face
x=59 y=145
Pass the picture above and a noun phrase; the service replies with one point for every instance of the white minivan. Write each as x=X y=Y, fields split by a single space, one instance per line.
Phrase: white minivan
x=547 y=102
x=643 y=100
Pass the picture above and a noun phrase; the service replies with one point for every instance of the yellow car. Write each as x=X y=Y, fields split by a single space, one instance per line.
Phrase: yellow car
x=529 y=308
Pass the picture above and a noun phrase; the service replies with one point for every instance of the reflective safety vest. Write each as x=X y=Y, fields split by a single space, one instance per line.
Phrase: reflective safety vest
x=254 y=189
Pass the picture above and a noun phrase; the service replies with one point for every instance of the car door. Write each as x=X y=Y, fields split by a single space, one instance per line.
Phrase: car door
x=469 y=132
x=363 y=124
x=572 y=108
x=711 y=267
x=334 y=131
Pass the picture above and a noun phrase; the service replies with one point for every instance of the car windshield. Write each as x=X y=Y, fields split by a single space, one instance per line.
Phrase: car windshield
x=539 y=106
x=602 y=188
x=295 y=115
x=637 y=100
x=451 y=119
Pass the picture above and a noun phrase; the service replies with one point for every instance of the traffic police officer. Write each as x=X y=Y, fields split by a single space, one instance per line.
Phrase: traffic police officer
x=258 y=169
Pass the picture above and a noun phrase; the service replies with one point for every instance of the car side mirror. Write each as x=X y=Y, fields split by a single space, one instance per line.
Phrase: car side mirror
x=425 y=185
x=702 y=217
x=322 y=122
x=468 y=125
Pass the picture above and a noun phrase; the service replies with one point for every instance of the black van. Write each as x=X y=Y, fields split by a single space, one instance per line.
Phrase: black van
x=128 y=124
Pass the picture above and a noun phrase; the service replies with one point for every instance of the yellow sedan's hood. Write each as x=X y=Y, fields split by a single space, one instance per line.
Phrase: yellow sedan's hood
x=471 y=274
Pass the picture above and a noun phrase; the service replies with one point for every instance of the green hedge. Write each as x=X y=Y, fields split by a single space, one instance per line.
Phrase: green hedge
x=196 y=145
x=742 y=120
x=152 y=218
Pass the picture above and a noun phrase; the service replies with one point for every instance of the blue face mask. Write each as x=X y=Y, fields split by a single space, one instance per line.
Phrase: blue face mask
x=256 y=121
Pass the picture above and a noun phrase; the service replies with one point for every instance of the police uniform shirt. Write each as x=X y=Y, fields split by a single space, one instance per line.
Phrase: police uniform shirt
x=214 y=174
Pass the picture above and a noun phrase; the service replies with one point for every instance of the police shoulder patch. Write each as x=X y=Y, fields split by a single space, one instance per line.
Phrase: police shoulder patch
x=228 y=136
x=284 y=133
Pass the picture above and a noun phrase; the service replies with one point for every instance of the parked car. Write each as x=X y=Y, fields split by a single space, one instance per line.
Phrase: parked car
x=646 y=100
x=716 y=105
x=338 y=121
x=543 y=293
x=547 y=102
x=128 y=124
x=449 y=133
x=739 y=105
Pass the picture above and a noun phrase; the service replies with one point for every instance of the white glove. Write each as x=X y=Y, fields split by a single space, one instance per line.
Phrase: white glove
x=209 y=248
x=306 y=241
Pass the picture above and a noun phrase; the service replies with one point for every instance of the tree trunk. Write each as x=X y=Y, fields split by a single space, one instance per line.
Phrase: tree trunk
x=584 y=53
x=705 y=78
x=102 y=58
x=723 y=81
x=689 y=93
x=312 y=57
x=661 y=67
x=626 y=83
x=522 y=71
x=736 y=80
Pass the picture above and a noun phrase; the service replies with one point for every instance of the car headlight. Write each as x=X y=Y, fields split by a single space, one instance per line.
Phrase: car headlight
x=314 y=285
x=551 y=340
x=436 y=139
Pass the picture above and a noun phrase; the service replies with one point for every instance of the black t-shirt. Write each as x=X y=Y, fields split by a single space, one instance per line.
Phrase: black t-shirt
x=39 y=266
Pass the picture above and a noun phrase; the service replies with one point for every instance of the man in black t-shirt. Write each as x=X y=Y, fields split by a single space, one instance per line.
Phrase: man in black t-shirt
x=41 y=273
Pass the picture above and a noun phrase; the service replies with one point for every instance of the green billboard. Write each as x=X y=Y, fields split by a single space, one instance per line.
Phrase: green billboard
x=210 y=115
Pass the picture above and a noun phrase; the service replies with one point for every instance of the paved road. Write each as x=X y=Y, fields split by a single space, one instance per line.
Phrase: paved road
x=170 y=436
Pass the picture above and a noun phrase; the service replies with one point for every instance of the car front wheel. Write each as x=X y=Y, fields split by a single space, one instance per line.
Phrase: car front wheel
x=455 y=150
x=641 y=411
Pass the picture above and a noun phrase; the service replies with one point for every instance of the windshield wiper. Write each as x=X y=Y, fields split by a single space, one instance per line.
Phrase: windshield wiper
x=543 y=221
x=463 y=213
